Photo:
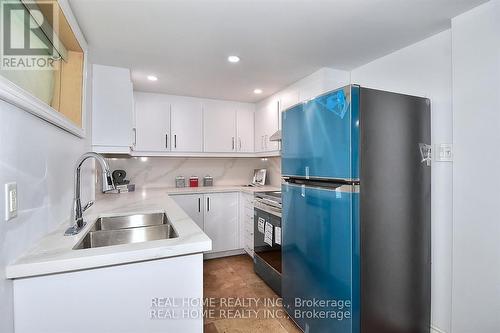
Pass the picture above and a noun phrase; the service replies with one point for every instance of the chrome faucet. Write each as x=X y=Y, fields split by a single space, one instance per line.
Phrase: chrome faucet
x=107 y=185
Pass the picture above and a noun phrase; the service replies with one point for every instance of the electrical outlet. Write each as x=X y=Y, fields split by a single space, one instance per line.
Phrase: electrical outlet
x=444 y=152
x=10 y=201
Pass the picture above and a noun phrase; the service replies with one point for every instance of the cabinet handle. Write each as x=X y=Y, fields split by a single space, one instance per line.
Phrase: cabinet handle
x=262 y=142
x=232 y=140
x=208 y=204
x=166 y=140
x=239 y=143
x=265 y=141
x=199 y=205
x=135 y=136
x=175 y=140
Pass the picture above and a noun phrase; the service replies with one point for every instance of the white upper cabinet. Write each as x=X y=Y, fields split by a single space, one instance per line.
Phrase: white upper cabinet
x=186 y=124
x=219 y=125
x=190 y=126
x=112 y=109
x=245 y=128
x=152 y=122
x=266 y=124
x=228 y=127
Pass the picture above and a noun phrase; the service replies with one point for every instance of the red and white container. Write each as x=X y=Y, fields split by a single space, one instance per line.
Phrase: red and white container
x=193 y=181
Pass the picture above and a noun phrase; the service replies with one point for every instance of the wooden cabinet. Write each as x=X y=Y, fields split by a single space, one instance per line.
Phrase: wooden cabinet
x=112 y=109
x=217 y=215
x=152 y=122
x=266 y=124
x=245 y=128
x=186 y=124
x=219 y=125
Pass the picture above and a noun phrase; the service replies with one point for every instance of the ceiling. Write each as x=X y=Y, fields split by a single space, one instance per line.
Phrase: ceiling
x=186 y=42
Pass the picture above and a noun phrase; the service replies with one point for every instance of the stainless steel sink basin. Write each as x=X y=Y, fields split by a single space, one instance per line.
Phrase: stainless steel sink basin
x=129 y=221
x=117 y=230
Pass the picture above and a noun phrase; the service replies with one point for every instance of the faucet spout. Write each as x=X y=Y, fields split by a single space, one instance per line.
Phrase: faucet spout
x=107 y=185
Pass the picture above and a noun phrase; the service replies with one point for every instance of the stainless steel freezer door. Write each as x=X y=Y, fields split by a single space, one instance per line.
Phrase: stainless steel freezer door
x=320 y=138
x=320 y=247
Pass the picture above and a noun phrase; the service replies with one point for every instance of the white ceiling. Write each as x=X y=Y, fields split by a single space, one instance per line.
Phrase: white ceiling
x=186 y=42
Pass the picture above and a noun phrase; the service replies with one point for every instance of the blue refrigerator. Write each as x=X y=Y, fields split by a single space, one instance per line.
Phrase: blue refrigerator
x=356 y=212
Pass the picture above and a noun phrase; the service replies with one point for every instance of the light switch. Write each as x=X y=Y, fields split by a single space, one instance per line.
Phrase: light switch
x=10 y=201
x=444 y=152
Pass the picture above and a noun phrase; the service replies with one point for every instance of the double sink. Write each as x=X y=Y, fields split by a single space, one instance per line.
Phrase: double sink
x=117 y=230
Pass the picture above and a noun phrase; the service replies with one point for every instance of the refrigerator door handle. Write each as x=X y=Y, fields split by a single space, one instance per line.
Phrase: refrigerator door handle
x=343 y=188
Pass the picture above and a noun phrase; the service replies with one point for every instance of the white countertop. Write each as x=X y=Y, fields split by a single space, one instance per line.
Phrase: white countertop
x=54 y=253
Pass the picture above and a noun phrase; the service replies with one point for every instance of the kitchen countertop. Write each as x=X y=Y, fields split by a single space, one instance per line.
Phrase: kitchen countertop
x=54 y=253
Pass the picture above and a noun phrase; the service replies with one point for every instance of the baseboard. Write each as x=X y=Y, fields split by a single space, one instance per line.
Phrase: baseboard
x=223 y=254
x=435 y=329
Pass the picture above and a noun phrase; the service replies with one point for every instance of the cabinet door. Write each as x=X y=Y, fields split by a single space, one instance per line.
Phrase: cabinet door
x=219 y=126
x=221 y=221
x=112 y=106
x=193 y=205
x=152 y=122
x=246 y=222
x=245 y=128
x=260 y=128
x=271 y=120
x=186 y=125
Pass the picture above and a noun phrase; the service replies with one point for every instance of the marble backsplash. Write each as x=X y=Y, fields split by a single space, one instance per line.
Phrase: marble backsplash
x=150 y=172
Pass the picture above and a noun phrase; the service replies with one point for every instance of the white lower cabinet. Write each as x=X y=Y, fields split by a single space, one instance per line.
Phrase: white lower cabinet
x=246 y=223
x=221 y=221
x=116 y=304
x=193 y=205
x=217 y=215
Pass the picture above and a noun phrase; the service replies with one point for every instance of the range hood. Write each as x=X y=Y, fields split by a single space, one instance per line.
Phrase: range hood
x=276 y=136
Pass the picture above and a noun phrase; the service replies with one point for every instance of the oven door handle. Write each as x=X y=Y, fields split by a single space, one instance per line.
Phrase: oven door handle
x=268 y=210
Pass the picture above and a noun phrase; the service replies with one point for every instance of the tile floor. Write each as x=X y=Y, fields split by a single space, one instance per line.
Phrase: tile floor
x=239 y=301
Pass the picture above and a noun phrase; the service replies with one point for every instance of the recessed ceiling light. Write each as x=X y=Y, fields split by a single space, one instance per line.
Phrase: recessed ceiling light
x=152 y=78
x=257 y=91
x=233 y=59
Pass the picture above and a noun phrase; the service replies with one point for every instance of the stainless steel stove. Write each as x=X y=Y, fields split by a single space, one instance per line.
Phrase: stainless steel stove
x=269 y=201
x=267 y=238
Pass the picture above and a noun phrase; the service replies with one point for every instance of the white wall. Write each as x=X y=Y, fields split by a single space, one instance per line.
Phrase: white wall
x=476 y=199
x=319 y=82
x=424 y=69
x=40 y=158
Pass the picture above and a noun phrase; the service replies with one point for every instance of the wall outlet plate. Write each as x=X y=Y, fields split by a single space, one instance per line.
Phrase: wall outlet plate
x=444 y=152
x=10 y=201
